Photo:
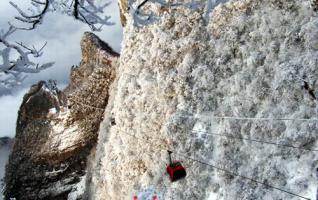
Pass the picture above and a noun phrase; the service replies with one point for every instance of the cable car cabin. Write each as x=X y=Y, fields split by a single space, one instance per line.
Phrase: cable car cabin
x=175 y=170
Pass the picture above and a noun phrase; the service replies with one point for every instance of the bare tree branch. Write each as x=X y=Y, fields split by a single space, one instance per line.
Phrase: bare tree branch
x=16 y=61
x=31 y=19
x=75 y=11
x=38 y=2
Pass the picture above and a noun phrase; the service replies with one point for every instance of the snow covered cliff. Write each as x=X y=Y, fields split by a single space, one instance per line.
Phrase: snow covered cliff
x=184 y=68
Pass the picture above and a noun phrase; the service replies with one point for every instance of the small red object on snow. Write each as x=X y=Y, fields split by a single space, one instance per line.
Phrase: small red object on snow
x=175 y=170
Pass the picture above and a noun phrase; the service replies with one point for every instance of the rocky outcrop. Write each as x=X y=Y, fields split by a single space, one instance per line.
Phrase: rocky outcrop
x=57 y=130
x=178 y=73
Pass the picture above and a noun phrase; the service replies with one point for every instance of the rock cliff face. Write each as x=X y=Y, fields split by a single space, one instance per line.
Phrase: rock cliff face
x=243 y=59
x=57 y=130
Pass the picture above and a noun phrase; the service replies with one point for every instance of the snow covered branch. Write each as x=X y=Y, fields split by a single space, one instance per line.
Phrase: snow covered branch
x=33 y=19
x=142 y=18
x=86 y=11
x=16 y=57
x=16 y=61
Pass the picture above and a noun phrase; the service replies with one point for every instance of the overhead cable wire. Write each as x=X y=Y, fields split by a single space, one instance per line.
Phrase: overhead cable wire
x=85 y=105
x=258 y=141
x=250 y=118
x=244 y=177
x=142 y=4
x=222 y=169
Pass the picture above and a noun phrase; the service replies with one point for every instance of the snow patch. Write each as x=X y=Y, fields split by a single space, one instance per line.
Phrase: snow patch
x=52 y=111
x=213 y=196
x=78 y=190
x=64 y=136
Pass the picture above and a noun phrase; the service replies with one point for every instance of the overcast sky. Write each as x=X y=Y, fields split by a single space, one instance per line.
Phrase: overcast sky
x=63 y=35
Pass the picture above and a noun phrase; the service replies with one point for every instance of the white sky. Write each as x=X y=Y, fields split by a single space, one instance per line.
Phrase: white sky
x=63 y=35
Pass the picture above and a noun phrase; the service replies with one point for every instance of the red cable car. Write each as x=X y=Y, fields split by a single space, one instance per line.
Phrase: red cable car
x=175 y=170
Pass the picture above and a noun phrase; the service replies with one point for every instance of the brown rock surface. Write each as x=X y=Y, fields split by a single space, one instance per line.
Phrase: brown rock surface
x=56 y=130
